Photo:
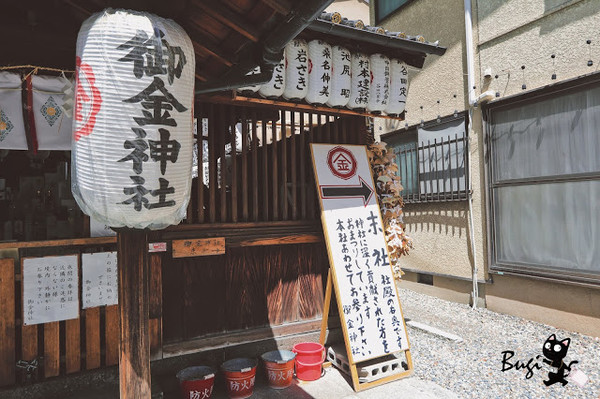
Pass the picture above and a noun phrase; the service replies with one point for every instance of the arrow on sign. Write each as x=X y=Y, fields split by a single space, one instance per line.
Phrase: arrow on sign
x=363 y=190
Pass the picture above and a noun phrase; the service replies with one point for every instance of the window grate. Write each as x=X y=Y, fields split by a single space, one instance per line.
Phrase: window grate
x=434 y=171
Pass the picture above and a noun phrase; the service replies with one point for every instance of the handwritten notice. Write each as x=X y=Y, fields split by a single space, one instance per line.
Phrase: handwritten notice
x=362 y=275
x=99 y=286
x=50 y=289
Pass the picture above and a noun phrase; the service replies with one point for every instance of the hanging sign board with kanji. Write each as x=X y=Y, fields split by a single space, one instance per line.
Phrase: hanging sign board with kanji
x=369 y=307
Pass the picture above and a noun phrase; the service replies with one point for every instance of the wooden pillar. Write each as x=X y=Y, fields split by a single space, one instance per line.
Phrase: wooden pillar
x=134 y=343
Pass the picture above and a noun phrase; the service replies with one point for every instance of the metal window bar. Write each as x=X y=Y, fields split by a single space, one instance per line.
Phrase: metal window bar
x=444 y=159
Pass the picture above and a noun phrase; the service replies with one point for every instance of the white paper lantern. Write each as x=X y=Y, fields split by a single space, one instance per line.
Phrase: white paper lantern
x=341 y=77
x=380 y=84
x=296 y=70
x=361 y=81
x=250 y=89
x=398 y=88
x=319 y=72
x=133 y=128
x=275 y=87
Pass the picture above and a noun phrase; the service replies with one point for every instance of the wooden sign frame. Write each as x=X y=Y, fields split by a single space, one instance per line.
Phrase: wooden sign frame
x=332 y=283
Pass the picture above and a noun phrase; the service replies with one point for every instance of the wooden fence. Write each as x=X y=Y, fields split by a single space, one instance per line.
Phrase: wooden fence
x=37 y=352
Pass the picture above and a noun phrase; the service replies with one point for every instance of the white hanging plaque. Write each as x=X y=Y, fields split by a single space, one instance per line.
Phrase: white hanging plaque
x=371 y=314
x=99 y=281
x=50 y=289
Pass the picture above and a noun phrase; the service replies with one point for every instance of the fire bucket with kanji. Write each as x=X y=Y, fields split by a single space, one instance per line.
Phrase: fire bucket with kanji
x=196 y=382
x=133 y=123
x=279 y=367
x=240 y=376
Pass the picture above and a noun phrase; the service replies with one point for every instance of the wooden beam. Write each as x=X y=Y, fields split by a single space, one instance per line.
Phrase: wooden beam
x=222 y=340
x=281 y=6
x=134 y=348
x=209 y=46
x=59 y=243
x=201 y=75
x=234 y=98
x=227 y=17
x=7 y=322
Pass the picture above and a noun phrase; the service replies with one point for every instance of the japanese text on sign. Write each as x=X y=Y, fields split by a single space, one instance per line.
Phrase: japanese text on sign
x=155 y=57
x=99 y=286
x=365 y=284
x=50 y=289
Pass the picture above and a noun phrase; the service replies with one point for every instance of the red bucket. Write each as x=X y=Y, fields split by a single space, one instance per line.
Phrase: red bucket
x=196 y=382
x=279 y=366
x=309 y=360
x=308 y=371
x=240 y=375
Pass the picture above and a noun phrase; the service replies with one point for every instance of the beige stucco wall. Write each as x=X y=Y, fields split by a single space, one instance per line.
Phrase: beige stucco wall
x=513 y=33
x=518 y=32
x=441 y=230
x=351 y=9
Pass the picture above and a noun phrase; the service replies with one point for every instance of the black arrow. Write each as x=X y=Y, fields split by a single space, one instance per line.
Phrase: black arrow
x=361 y=191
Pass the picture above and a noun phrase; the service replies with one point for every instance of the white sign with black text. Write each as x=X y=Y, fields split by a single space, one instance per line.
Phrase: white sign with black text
x=50 y=289
x=362 y=275
x=100 y=284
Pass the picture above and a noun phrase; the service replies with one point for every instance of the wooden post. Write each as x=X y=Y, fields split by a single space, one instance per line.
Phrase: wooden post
x=134 y=344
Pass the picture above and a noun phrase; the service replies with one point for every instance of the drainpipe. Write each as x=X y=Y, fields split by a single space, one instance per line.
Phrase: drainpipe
x=270 y=51
x=472 y=104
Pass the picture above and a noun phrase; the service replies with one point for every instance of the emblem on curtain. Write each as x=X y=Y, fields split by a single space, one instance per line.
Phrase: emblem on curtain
x=5 y=125
x=51 y=111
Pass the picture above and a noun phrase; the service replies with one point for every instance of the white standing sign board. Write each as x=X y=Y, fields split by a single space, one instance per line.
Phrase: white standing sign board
x=364 y=284
x=100 y=281
x=50 y=289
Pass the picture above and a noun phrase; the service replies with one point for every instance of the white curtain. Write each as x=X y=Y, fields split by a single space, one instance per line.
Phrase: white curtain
x=551 y=224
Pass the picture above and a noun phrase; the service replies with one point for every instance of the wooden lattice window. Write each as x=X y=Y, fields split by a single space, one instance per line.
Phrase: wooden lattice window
x=254 y=164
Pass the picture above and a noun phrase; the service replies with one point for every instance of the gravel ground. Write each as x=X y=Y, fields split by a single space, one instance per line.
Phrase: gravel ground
x=473 y=368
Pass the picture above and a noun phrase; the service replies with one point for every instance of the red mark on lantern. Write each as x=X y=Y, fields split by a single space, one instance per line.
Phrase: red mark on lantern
x=87 y=101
